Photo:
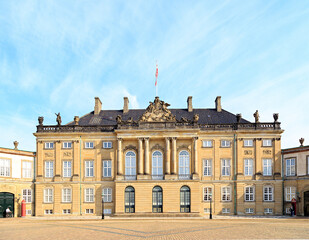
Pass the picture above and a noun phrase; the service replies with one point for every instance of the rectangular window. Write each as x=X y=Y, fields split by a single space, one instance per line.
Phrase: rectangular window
x=207 y=193
x=267 y=167
x=268 y=193
x=107 y=144
x=290 y=167
x=28 y=212
x=207 y=167
x=267 y=143
x=49 y=145
x=107 y=168
x=226 y=194
x=27 y=195
x=248 y=143
x=26 y=169
x=66 y=211
x=268 y=210
x=48 y=195
x=48 y=211
x=5 y=167
x=290 y=193
x=206 y=210
x=67 y=145
x=89 y=145
x=67 y=168
x=226 y=210
x=225 y=167
x=89 y=195
x=49 y=169
x=249 y=194
x=225 y=143
x=248 y=167
x=249 y=210
x=288 y=210
x=107 y=194
x=89 y=168
x=89 y=211
x=107 y=211
x=66 y=195
x=207 y=143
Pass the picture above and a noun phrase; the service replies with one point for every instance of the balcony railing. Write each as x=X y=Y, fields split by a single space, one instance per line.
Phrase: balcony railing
x=184 y=176
x=130 y=177
x=157 y=177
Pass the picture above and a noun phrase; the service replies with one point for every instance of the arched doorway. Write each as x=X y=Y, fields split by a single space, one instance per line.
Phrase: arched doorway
x=6 y=201
x=157 y=199
x=129 y=200
x=306 y=203
x=185 y=199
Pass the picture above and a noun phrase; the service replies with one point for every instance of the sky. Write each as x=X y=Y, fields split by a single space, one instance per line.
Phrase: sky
x=56 y=56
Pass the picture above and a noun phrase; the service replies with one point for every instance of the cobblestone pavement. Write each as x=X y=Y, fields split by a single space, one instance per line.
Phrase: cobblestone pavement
x=288 y=228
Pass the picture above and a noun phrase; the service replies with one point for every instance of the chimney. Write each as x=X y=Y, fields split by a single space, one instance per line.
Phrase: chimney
x=218 y=104
x=189 y=101
x=97 y=106
x=125 y=105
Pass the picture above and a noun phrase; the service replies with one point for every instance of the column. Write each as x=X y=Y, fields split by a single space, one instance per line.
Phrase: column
x=39 y=159
x=168 y=156
x=140 y=157
x=76 y=160
x=146 y=156
x=57 y=159
x=119 y=157
x=195 y=169
x=174 y=156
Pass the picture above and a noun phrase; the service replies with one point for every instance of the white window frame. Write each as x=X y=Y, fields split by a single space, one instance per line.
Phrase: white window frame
x=5 y=167
x=248 y=167
x=225 y=143
x=66 y=211
x=107 y=168
x=268 y=210
x=49 y=169
x=67 y=168
x=26 y=169
x=226 y=210
x=249 y=210
x=290 y=193
x=225 y=167
x=207 y=143
x=48 y=195
x=48 y=211
x=107 y=145
x=207 y=167
x=89 y=195
x=89 y=168
x=107 y=211
x=27 y=195
x=49 y=145
x=184 y=162
x=249 y=195
x=289 y=168
x=288 y=210
x=130 y=163
x=157 y=163
x=248 y=142
x=226 y=193
x=89 y=145
x=268 y=193
x=206 y=210
x=67 y=145
x=267 y=167
x=107 y=194
x=28 y=212
x=267 y=143
x=207 y=194
x=66 y=195
x=89 y=211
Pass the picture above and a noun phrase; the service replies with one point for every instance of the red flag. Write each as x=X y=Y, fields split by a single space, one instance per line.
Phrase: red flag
x=157 y=72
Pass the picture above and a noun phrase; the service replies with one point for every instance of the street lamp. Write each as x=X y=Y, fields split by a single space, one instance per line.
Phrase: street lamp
x=102 y=206
x=210 y=209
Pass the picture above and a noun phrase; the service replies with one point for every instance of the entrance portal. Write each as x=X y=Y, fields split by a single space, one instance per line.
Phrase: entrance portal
x=306 y=203
x=6 y=201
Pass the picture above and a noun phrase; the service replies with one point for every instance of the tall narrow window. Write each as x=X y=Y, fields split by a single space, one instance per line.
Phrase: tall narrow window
x=107 y=168
x=5 y=165
x=290 y=167
x=207 y=167
x=185 y=199
x=290 y=193
x=49 y=169
x=157 y=200
x=107 y=194
x=89 y=195
x=226 y=194
x=267 y=168
x=129 y=200
x=89 y=168
x=66 y=194
x=225 y=167
x=26 y=166
x=207 y=193
x=48 y=195
x=249 y=194
x=157 y=165
x=268 y=193
x=130 y=163
x=184 y=165
x=248 y=167
x=67 y=168
x=27 y=195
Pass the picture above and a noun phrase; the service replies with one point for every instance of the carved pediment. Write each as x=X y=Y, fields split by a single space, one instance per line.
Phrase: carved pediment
x=157 y=112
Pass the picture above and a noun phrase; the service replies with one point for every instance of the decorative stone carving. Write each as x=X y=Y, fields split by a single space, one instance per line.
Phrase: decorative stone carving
x=181 y=147
x=196 y=117
x=248 y=152
x=58 y=119
x=157 y=112
x=267 y=152
x=256 y=115
x=238 y=117
x=49 y=154
x=41 y=119
x=157 y=147
x=276 y=116
x=130 y=147
x=76 y=120
x=119 y=119
x=301 y=141
x=67 y=154
x=15 y=145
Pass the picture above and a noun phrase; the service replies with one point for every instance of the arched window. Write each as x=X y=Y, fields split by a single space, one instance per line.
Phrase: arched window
x=129 y=200
x=185 y=199
x=184 y=165
x=130 y=163
x=157 y=165
x=157 y=200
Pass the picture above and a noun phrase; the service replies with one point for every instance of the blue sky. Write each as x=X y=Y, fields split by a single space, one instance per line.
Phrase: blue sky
x=56 y=56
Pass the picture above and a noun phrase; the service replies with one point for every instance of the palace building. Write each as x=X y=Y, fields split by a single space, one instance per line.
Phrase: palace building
x=159 y=161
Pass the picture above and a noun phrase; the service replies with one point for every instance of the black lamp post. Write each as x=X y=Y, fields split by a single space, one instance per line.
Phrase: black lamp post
x=102 y=206
x=210 y=209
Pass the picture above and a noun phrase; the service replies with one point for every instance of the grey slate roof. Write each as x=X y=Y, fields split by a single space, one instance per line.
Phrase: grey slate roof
x=206 y=116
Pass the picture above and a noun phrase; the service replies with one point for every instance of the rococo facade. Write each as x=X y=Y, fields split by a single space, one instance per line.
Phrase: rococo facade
x=159 y=162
